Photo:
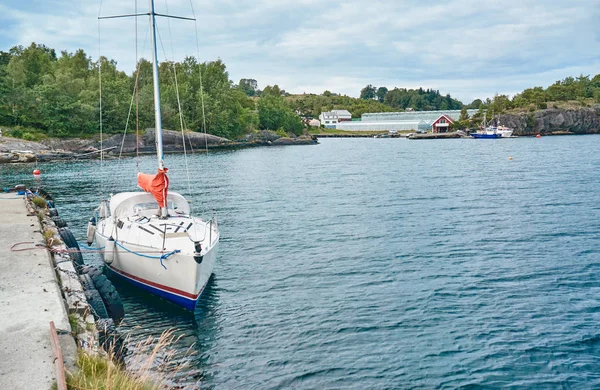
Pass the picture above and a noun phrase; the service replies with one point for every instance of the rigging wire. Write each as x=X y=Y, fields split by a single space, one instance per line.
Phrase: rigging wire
x=134 y=96
x=185 y=158
x=200 y=80
x=200 y=77
x=100 y=103
x=137 y=94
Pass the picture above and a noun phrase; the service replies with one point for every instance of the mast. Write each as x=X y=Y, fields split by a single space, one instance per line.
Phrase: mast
x=157 y=114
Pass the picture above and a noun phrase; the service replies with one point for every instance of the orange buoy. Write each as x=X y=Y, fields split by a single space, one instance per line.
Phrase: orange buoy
x=538 y=136
x=37 y=172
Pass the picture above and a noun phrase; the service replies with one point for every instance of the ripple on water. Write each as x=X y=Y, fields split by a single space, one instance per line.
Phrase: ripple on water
x=393 y=264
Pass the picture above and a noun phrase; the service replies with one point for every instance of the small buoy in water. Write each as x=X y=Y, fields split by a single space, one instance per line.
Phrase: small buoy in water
x=510 y=158
x=538 y=136
x=37 y=172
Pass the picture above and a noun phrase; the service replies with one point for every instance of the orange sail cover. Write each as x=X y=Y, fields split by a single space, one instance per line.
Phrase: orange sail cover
x=157 y=185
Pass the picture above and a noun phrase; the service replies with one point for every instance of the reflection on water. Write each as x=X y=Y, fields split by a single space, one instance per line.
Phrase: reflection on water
x=377 y=263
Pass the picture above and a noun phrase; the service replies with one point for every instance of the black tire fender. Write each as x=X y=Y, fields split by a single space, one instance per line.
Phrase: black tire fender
x=59 y=222
x=108 y=292
x=71 y=243
x=44 y=194
x=95 y=301
x=111 y=340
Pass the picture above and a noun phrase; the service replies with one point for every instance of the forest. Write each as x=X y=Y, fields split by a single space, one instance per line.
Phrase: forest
x=58 y=95
x=46 y=94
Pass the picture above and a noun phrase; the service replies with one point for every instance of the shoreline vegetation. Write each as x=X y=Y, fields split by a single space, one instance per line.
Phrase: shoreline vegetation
x=14 y=150
x=50 y=106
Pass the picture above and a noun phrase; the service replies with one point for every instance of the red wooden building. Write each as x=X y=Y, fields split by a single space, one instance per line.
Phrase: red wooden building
x=442 y=124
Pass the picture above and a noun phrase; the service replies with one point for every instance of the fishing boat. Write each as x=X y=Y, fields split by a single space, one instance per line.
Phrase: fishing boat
x=491 y=131
x=149 y=238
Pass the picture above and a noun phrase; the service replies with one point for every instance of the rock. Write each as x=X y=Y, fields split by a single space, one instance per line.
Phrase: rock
x=554 y=121
x=172 y=140
x=68 y=144
x=17 y=145
x=294 y=141
x=17 y=150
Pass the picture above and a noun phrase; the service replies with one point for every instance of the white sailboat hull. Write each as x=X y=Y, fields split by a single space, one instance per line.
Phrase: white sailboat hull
x=182 y=282
x=160 y=255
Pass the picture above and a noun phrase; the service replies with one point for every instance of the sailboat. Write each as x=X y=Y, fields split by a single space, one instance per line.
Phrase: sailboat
x=149 y=238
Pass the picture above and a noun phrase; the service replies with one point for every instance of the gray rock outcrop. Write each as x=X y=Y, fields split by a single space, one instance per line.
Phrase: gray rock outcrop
x=554 y=121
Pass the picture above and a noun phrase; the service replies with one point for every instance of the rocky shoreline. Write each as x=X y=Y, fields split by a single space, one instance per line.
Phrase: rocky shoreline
x=554 y=121
x=14 y=150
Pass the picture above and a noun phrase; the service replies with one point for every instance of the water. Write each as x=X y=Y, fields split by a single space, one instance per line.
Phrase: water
x=380 y=263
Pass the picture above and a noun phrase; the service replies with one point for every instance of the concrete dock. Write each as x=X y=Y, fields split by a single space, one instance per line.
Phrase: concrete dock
x=29 y=299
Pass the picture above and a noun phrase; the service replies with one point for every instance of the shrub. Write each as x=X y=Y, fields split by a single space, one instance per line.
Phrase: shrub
x=29 y=137
x=39 y=202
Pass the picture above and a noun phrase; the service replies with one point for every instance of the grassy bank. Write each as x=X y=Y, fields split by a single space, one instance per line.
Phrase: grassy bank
x=100 y=372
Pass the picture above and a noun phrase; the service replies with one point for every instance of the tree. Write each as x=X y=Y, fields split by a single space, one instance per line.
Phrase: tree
x=274 y=90
x=248 y=86
x=475 y=104
x=274 y=114
x=464 y=115
x=369 y=92
x=381 y=92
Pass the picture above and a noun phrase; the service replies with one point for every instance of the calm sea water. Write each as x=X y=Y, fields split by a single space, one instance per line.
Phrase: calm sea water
x=379 y=263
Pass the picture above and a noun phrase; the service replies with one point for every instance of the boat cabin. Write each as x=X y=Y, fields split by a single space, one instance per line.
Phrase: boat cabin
x=143 y=204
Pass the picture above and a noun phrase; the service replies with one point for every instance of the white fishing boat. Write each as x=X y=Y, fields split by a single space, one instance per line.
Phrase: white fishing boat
x=505 y=132
x=491 y=131
x=149 y=238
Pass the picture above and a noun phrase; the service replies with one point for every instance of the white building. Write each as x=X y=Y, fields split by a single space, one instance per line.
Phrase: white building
x=397 y=125
x=398 y=121
x=330 y=119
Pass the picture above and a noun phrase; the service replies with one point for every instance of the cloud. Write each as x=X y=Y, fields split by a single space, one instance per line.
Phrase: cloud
x=468 y=48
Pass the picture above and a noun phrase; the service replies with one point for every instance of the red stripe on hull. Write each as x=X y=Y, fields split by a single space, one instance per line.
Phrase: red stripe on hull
x=159 y=286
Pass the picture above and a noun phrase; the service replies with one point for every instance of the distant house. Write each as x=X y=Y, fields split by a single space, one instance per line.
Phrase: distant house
x=442 y=124
x=330 y=119
x=343 y=115
x=314 y=123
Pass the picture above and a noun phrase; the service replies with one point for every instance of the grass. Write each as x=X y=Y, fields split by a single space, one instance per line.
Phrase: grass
x=49 y=237
x=320 y=130
x=74 y=323
x=152 y=358
x=565 y=105
x=39 y=202
x=99 y=372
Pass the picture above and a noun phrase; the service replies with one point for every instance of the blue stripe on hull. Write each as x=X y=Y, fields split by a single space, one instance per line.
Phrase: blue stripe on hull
x=486 y=136
x=186 y=303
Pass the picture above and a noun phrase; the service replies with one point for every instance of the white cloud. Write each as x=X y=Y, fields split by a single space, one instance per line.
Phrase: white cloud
x=467 y=48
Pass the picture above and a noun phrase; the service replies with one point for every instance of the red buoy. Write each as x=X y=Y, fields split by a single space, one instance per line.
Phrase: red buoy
x=37 y=172
x=538 y=136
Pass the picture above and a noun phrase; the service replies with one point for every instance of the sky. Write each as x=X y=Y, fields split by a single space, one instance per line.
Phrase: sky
x=467 y=48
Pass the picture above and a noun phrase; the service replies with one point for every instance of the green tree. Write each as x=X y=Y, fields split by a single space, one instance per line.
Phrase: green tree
x=381 y=92
x=274 y=114
x=248 y=86
x=369 y=92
